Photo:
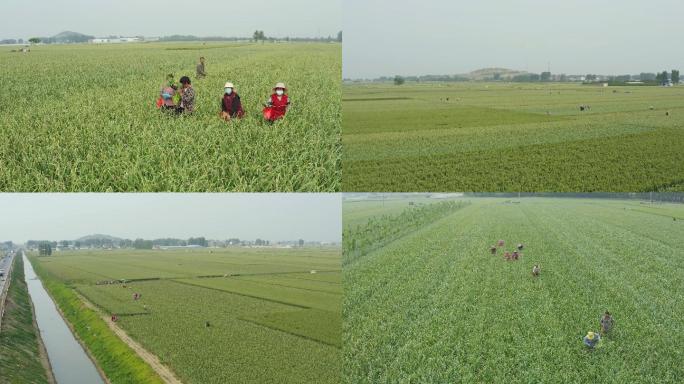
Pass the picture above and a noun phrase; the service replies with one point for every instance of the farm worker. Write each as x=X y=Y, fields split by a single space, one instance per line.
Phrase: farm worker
x=276 y=107
x=515 y=255
x=206 y=324
x=536 y=270
x=606 y=322
x=507 y=255
x=114 y=318
x=187 y=104
x=520 y=247
x=500 y=243
x=592 y=339
x=231 y=106
x=167 y=93
x=201 y=70
x=492 y=249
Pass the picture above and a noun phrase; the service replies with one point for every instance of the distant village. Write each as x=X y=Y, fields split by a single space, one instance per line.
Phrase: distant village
x=104 y=242
x=69 y=37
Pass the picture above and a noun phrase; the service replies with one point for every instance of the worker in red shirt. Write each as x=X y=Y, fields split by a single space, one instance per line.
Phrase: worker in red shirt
x=231 y=106
x=276 y=107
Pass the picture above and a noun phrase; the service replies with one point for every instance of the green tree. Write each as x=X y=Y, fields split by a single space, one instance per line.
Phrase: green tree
x=662 y=77
x=34 y=40
x=301 y=242
x=398 y=80
x=259 y=35
x=675 y=76
x=545 y=76
x=339 y=36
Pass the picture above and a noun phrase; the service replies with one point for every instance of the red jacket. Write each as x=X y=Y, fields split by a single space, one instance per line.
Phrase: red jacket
x=279 y=107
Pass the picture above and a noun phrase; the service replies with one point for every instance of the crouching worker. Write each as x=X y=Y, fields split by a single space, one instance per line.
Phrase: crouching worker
x=187 y=97
x=592 y=339
x=492 y=249
x=167 y=94
x=276 y=107
x=231 y=106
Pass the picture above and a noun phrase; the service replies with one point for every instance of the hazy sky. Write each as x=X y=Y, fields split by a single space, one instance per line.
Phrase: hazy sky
x=302 y=18
x=383 y=37
x=215 y=216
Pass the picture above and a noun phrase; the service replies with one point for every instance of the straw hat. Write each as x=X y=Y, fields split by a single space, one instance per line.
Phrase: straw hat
x=590 y=335
x=280 y=85
x=229 y=85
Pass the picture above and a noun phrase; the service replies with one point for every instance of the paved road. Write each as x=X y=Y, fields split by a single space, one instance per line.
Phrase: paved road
x=5 y=262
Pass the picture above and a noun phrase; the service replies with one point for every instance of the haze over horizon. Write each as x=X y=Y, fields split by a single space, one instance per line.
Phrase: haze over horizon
x=100 y=18
x=269 y=216
x=443 y=37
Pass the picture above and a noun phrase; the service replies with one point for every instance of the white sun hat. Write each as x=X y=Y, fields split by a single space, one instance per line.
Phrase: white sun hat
x=229 y=85
x=280 y=85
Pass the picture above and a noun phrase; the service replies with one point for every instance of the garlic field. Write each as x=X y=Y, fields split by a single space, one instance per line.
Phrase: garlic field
x=83 y=118
x=435 y=306
x=220 y=316
x=512 y=137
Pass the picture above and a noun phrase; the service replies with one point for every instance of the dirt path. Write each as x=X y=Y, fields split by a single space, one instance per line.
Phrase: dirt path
x=162 y=370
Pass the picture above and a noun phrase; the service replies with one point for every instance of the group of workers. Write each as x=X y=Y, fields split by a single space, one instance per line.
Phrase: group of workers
x=513 y=256
x=592 y=339
x=181 y=100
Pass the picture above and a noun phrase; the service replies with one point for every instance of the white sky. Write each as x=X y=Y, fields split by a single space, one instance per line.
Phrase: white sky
x=270 y=216
x=300 y=18
x=383 y=37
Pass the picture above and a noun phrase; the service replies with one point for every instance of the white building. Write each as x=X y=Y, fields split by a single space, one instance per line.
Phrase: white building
x=116 y=40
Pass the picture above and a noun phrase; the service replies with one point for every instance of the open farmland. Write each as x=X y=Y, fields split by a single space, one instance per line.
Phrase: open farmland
x=435 y=306
x=83 y=118
x=512 y=137
x=270 y=318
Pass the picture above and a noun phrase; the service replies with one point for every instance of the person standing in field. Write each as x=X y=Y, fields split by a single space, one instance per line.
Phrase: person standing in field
x=187 y=104
x=231 y=106
x=606 y=322
x=277 y=105
x=201 y=69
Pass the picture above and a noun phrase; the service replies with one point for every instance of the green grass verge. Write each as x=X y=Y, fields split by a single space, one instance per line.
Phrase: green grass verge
x=119 y=362
x=19 y=353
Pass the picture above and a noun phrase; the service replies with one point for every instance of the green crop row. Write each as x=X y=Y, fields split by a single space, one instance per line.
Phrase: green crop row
x=513 y=138
x=377 y=232
x=97 y=127
x=278 y=310
x=437 y=306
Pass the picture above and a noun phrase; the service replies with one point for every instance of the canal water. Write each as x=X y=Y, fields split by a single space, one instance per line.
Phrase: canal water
x=70 y=363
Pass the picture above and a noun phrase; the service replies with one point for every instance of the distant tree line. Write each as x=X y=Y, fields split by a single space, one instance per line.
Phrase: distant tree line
x=256 y=36
x=672 y=197
x=647 y=78
x=139 y=243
